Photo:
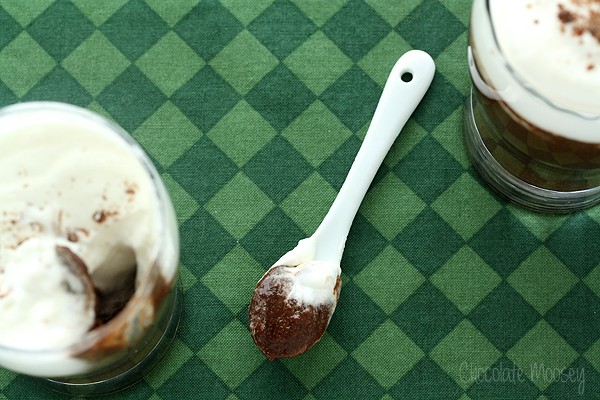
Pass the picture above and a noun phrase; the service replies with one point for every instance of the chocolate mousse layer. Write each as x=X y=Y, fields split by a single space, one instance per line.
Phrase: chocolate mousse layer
x=281 y=326
x=534 y=155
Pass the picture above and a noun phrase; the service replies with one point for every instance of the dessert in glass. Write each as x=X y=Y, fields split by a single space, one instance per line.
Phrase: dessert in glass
x=89 y=251
x=532 y=121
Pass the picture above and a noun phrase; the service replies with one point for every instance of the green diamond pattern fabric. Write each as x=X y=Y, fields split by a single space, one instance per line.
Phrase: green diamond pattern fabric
x=252 y=112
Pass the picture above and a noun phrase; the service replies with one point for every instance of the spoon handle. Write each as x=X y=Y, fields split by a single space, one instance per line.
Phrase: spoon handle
x=410 y=78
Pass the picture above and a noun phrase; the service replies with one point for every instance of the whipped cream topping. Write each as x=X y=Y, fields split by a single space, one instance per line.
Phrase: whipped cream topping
x=541 y=41
x=314 y=283
x=41 y=300
x=543 y=65
x=68 y=179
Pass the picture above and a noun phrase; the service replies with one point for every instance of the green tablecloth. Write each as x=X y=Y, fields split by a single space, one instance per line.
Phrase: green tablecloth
x=253 y=111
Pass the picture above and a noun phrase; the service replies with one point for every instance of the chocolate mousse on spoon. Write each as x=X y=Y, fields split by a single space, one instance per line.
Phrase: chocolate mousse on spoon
x=295 y=299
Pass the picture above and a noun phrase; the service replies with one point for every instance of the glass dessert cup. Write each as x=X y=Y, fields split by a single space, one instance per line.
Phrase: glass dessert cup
x=535 y=152
x=116 y=353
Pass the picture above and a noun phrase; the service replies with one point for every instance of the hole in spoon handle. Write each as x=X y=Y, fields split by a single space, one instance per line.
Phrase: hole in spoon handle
x=409 y=79
x=406 y=76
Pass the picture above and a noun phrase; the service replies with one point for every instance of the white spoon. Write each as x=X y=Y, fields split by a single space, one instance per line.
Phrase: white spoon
x=295 y=299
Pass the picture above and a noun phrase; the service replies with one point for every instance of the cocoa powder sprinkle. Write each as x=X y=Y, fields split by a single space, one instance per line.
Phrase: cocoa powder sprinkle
x=99 y=216
x=72 y=237
x=130 y=188
x=564 y=15
x=581 y=23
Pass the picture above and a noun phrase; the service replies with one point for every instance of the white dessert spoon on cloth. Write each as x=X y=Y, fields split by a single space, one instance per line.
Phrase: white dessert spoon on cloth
x=295 y=299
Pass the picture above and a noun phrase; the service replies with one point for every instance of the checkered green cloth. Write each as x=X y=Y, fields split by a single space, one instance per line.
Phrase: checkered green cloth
x=252 y=111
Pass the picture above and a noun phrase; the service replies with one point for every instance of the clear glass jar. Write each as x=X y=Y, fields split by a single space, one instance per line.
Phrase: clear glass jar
x=536 y=151
x=115 y=353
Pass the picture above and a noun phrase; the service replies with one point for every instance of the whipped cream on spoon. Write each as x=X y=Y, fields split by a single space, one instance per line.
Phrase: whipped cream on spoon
x=294 y=301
